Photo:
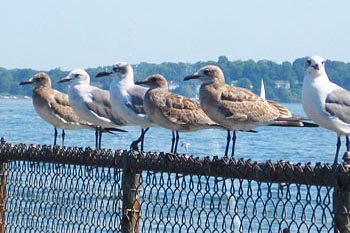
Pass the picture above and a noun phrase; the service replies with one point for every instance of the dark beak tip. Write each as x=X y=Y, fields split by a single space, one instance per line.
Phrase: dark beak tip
x=191 y=77
x=63 y=80
x=25 y=82
x=103 y=74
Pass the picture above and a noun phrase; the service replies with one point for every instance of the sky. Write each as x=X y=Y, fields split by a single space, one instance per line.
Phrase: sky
x=68 y=34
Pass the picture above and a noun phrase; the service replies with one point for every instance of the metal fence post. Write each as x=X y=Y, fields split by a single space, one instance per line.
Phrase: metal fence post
x=131 y=201
x=3 y=170
x=341 y=202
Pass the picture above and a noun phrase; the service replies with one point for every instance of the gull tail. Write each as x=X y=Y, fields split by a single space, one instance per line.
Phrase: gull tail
x=294 y=121
x=217 y=126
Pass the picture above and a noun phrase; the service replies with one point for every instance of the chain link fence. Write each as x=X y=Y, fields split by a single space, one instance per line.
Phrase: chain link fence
x=55 y=189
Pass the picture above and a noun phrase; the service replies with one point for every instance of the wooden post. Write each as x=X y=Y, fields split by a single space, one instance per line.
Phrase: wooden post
x=341 y=202
x=131 y=201
x=3 y=170
x=341 y=208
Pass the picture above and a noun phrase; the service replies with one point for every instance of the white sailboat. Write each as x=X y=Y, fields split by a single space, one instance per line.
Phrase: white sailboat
x=262 y=89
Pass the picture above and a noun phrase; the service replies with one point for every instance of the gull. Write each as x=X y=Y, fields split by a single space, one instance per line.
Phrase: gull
x=325 y=102
x=127 y=99
x=53 y=106
x=91 y=103
x=172 y=111
x=238 y=108
x=185 y=145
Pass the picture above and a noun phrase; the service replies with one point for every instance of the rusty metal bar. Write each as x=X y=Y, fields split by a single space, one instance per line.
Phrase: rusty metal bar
x=280 y=172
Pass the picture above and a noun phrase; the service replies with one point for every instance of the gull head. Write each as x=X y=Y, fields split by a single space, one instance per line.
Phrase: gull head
x=154 y=81
x=38 y=80
x=208 y=74
x=120 y=71
x=77 y=77
x=315 y=66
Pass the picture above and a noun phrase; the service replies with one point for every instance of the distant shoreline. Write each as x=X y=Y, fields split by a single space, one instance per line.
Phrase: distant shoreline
x=14 y=97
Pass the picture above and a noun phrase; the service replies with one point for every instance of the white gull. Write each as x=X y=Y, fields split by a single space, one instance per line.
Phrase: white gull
x=91 y=103
x=127 y=99
x=325 y=102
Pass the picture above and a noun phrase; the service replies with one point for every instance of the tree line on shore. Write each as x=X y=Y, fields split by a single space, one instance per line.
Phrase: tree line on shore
x=283 y=81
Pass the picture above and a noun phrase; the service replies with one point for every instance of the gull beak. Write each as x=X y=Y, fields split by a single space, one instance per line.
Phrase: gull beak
x=142 y=82
x=192 y=76
x=316 y=67
x=64 y=79
x=29 y=81
x=103 y=74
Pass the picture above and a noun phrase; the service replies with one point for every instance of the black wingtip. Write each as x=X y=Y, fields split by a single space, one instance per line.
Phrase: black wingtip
x=111 y=130
x=309 y=124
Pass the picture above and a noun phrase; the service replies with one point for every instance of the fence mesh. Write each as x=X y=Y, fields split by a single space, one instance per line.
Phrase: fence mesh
x=175 y=203
x=84 y=192
x=44 y=197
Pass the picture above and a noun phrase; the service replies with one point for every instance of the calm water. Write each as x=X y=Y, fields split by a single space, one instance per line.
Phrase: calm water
x=21 y=124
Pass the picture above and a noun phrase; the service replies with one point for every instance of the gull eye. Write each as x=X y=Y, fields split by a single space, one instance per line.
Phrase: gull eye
x=76 y=75
x=206 y=71
x=322 y=62
x=308 y=62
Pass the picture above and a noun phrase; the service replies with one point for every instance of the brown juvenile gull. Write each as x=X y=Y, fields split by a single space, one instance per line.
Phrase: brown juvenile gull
x=91 y=103
x=238 y=108
x=172 y=111
x=53 y=106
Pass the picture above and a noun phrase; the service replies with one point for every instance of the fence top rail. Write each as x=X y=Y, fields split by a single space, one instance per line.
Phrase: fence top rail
x=280 y=172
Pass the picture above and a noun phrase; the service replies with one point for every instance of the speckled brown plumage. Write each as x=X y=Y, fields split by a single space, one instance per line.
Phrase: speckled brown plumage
x=236 y=108
x=173 y=111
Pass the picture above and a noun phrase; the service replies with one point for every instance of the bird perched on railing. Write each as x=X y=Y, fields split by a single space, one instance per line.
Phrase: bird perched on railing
x=238 y=108
x=172 y=111
x=53 y=106
x=325 y=102
x=91 y=104
x=127 y=99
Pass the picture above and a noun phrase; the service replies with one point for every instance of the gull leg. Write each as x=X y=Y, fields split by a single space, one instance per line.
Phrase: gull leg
x=99 y=138
x=135 y=144
x=143 y=132
x=63 y=135
x=337 y=152
x=234 y=137
x=227 y=142
x=96 y=137
x=55 y=137
x=347 y=143
x=172 y=142
x=176 y=141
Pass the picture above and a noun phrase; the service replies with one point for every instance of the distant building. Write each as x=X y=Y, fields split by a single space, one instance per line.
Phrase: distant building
x=283 y=84
x=173 y=85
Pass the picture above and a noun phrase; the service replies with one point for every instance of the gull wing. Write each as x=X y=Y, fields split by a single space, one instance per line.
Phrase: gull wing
x=61 y=108
x=135 y=97
x=338 y=104
x=181 y=110
x=243 y=105
x=100 y=105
